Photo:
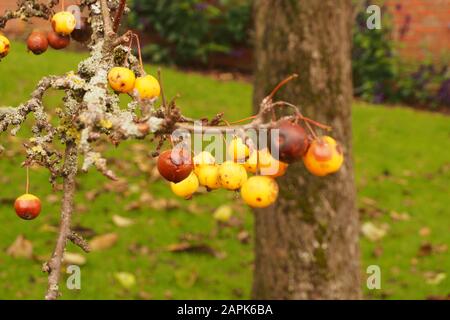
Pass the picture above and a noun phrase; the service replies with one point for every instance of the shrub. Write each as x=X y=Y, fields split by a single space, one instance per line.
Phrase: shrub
x=379 y=74
x=191 y=30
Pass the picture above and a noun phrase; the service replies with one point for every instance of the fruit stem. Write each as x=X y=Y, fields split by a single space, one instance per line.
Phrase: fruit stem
x=140 y=53
x=62 y=5
x=163 y=96
x=282 y=84
x=27 y=186
x=119 y=14
x=243 y=120
x=130 y=46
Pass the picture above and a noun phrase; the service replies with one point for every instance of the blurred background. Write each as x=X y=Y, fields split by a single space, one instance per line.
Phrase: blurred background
x=150 y=245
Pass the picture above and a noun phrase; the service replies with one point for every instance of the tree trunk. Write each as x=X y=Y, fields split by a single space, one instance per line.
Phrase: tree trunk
x=307 y=245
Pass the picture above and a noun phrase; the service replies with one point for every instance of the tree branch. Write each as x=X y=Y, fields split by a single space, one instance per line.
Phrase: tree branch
x=53 y=267
x=119 y=14
x=107 y=23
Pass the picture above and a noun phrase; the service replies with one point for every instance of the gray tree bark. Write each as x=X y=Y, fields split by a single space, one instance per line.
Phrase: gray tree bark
x=307 y=245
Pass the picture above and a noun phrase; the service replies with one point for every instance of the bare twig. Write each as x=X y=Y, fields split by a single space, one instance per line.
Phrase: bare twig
x=107 y=23
x=53 y=267
x=119 y=14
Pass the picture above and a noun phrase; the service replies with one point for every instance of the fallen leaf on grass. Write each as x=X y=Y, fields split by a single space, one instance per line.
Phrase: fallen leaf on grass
x=84 y=231
x=21 y=248
x=434 y=278
x=424 y=232
x=244 y=237
x=52 y=198
x=103 y=242
x=125 y=279
x=122 y=222
x=400 y=216
x=194 y=248
x=372 y=232
x=74 y=258
x=428 y=248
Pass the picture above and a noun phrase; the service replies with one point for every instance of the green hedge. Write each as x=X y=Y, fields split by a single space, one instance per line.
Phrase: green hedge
x=190 y=32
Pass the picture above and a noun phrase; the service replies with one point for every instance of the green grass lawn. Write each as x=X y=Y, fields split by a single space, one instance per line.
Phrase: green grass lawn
x=402 y=170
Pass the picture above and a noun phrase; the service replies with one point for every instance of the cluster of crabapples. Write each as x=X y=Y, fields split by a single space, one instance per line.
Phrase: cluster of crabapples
x=123 y=80
x=63 y=29
x=252 y=172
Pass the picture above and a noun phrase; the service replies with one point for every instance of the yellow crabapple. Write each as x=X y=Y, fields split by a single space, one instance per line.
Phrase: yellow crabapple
x=260 y=191
x=208 y=176
x=203 y=158
x=324 y=157
x=237 y=150
x=147 y=87
x=64 y=23
x=5 y=45
x=232 y=175
x=121 y=79
x=187 y=187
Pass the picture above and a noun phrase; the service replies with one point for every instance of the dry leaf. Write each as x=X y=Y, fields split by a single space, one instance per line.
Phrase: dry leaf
x=424 y=232
x=191 y=248
x=52 y=198
x=103 y=242
x=74 y=258
x=244 y=237
x=84 y=231
x=425 y=250
x=434 y=278
x=21 y=248
x=122 y=222
x=372 y=232
x=125 y=279
x=400 y=216
x=120 y=186
x=369 y=202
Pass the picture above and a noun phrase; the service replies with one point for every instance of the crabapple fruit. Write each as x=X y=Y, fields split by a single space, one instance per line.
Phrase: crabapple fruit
x=260 y=191
x=28 y=206
x=57 y=41
x=292 y=142
x=266 y=163
x=84 y=33
x=37 y=42
x=324 y=157
x=238 y=151
x=121 y=79
x=208 y=176
x=202 y=159
x=232 y=175
x=175 y=165
x=147 y=87
x=187 y=187
x=5 y=45
x=64 y=23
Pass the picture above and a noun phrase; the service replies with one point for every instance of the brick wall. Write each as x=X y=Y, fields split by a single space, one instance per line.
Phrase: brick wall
x=422 y=27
